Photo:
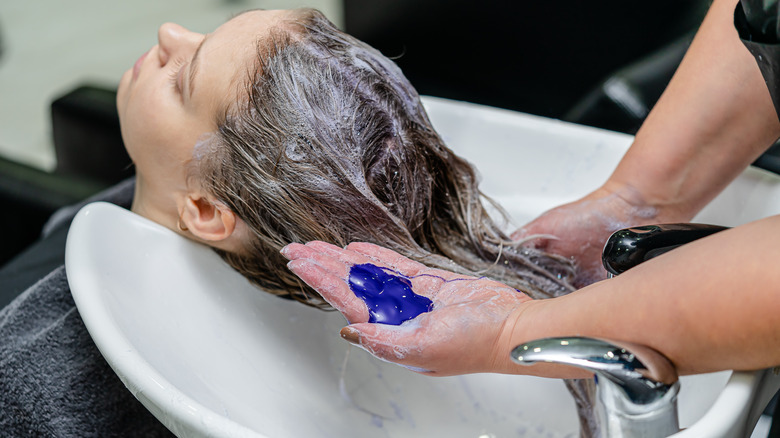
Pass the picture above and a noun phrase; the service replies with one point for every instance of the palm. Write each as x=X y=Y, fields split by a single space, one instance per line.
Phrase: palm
x=581 y=229
x=468 y=314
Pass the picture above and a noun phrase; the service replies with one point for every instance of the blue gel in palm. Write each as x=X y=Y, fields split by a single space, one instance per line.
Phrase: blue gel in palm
x=389 y=297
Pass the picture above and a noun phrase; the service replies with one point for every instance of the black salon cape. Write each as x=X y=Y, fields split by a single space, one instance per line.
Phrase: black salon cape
x=53 y=380
x=763 y=44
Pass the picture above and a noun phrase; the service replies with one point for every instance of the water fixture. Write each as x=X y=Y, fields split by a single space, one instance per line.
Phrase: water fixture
x=631 y=246
x=636 y=387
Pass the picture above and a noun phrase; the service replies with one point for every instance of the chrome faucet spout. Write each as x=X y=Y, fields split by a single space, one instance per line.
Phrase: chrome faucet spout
x=636 y=386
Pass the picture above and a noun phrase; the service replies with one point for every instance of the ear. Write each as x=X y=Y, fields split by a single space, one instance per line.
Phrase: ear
x=206 y=219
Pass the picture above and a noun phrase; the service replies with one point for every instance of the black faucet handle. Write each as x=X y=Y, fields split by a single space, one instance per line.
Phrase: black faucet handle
x=629 y=247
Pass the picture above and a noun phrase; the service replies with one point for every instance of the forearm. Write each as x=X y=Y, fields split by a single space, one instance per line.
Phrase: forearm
x=710 y=305
x=714 y=119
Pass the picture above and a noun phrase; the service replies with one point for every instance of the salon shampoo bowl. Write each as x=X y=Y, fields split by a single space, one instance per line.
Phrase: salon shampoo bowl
x=210 y=355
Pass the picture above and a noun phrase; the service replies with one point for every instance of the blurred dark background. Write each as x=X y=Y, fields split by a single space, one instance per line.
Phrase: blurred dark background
x=540 y=57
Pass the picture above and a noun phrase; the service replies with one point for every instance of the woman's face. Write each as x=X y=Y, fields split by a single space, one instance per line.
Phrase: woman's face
x=172 y=96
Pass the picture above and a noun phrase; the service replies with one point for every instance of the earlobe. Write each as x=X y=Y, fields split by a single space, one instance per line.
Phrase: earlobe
x=206 y=219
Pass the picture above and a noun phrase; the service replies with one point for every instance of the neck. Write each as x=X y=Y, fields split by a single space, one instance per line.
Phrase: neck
x=160 y=209
x=163 y=207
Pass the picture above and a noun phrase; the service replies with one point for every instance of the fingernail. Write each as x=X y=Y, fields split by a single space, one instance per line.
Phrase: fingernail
x=350 y=335
x=289 y=251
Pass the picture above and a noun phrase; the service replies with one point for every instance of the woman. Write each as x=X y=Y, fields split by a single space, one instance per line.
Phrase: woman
x=276 y=127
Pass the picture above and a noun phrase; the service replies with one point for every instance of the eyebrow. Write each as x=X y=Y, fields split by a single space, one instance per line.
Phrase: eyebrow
x=194 y=66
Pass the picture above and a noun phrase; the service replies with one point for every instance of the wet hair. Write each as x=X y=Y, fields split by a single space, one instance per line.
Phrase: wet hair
x=331 y=142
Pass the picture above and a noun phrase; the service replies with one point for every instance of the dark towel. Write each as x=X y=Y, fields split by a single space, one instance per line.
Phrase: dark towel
x=53 y=380
x=48 y=253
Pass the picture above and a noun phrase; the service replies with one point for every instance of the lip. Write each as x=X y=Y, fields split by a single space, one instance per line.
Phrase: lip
x=137 y=65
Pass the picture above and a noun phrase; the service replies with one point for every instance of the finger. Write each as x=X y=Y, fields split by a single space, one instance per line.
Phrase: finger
x=339 y=260
x=426 y=281
x=339 y=263
x=293 y=250
x=321 y=255
x=387 y=342
x=532 y=235
x=345 y=255
x=388 y=257
x=521 y=233
x=336 y=260
x=331 y=287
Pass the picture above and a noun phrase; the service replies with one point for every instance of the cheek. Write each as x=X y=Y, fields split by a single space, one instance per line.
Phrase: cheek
x=159 y=132
x=151 y=127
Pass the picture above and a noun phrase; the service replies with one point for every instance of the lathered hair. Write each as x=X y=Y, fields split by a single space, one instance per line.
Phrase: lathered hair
x=332 y=143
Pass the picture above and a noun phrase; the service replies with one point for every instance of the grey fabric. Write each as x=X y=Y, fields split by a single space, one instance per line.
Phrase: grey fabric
x=48 y=252
x=120 y=194
x=53 y=380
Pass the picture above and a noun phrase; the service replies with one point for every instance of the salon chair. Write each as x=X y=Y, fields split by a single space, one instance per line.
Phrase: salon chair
x=90 y=157
x=622 y=100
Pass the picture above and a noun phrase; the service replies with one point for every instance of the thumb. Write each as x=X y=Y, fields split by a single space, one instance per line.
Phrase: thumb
x=534 y=230
x=388 y=342
x=528 y=237
x=520 y=233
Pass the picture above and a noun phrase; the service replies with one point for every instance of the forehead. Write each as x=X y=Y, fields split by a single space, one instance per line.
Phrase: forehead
x=243 y=32
x=253 y=20
x=230 y=53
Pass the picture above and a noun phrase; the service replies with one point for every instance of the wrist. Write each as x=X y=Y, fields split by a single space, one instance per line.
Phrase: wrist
x=641 y=205
x=528 y=322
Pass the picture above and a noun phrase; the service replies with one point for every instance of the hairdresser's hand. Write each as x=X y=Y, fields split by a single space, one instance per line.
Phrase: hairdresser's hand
x=467 y=331
x=580 y=229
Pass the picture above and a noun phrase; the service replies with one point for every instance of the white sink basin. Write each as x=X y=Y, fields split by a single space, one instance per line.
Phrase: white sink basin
x=210 y=355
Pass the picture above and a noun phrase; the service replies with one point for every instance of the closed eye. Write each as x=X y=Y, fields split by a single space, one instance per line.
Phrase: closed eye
x=175 y=73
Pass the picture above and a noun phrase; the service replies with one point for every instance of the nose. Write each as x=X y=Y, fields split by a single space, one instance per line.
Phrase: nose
x=175 y=40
